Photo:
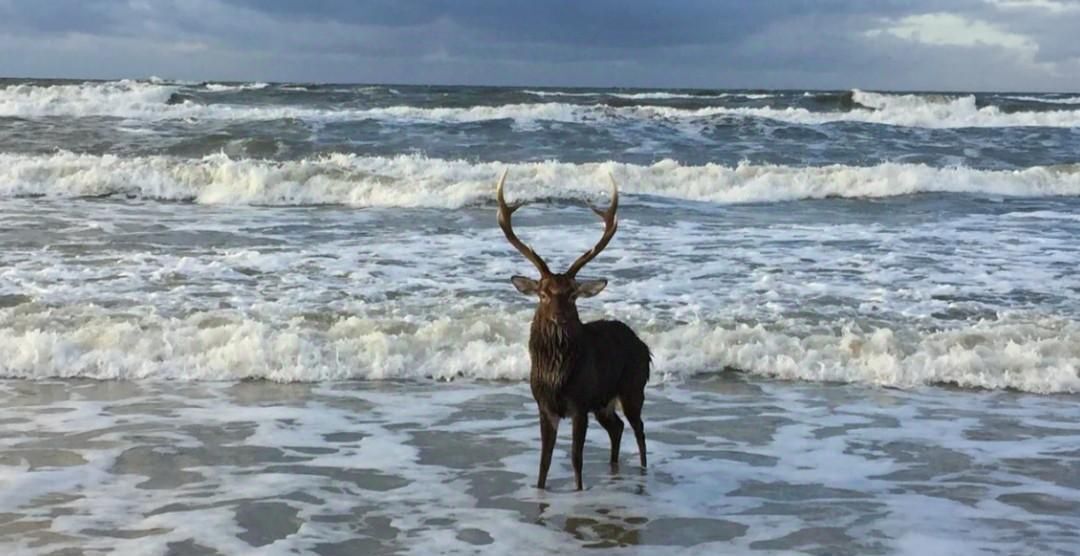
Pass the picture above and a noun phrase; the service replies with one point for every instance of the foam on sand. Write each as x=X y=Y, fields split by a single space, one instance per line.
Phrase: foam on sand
x=239 y=468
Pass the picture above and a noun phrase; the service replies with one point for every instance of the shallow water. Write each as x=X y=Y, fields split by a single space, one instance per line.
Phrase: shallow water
x=300 y=232
x=737 y=464
x=298 y=300
x=902 y=292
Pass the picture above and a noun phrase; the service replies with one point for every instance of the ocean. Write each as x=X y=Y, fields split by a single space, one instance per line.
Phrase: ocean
x=276 y=318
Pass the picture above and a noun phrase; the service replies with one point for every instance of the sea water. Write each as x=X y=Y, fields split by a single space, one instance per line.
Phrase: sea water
x=252 y=317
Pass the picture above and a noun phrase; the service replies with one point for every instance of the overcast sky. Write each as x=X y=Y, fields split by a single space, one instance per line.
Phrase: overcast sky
x=881 y=44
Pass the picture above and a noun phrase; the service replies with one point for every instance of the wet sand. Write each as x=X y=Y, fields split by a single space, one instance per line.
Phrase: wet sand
x=736 y=465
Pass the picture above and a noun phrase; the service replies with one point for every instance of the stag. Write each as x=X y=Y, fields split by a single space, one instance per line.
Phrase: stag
x=579 y=368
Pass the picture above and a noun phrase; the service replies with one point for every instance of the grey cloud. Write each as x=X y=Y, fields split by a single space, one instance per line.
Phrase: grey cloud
x=56 y=17
x=607 y=23
x=722 y=43
x=1054 y=32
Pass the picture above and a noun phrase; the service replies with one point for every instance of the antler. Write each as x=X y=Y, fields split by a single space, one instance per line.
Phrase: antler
x=610 y=225
x=504 y=223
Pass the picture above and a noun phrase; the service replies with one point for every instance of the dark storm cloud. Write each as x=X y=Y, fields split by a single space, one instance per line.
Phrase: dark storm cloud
x=796 y=43
x=607 y=23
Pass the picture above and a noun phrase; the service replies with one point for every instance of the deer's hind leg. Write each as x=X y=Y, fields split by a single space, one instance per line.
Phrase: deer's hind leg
x=631 y=402
x=577 y=449
x=614 y=427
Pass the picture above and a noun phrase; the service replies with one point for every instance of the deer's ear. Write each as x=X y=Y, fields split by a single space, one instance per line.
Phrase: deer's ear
x=525 y=285
x=590 y=288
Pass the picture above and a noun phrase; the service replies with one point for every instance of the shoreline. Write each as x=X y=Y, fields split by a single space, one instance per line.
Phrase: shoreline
x=736 y=463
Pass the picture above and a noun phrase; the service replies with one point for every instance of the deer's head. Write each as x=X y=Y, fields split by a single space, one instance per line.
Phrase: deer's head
x=558 y=293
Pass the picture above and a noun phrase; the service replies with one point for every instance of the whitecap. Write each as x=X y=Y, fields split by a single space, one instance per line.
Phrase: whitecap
x=417 y=181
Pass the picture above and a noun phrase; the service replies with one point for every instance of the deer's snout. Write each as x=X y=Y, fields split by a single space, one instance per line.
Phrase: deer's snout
x=563 y=312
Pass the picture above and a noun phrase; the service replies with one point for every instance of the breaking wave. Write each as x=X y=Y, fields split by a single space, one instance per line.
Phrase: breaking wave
x=230 y=87
x=120 y=98
x=158 y=100
x=416 y=181
x=1035 y=356
x=1047 y=100
x=139 y=100
x=926 y=111
x=654 y=95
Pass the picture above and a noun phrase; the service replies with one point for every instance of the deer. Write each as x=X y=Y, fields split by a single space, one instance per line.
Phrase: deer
x=579 y=368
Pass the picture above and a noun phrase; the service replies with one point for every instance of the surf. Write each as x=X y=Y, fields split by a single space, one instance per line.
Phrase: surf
x=418 y=181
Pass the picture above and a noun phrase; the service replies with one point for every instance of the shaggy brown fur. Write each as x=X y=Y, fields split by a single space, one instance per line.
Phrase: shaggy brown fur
x=579 y=368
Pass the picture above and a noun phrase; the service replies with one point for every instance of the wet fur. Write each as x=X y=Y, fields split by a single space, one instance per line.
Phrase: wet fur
x=579 y=369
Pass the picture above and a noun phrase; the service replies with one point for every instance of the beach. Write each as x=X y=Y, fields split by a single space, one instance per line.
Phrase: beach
x=736 y=464
x=276 y=318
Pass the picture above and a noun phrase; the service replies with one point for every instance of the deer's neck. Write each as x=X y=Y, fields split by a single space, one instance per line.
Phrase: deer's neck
x=554 y=348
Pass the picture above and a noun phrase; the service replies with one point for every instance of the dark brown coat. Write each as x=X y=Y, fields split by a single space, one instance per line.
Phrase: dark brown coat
x=579 y=368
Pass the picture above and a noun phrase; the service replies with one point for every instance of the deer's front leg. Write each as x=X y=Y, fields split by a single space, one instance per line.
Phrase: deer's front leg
x=549 y=426
x=581 y=424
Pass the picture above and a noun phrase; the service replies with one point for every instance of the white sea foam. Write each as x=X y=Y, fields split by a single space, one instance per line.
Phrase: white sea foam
x=224 y=88
x=952 y=111
x=925 y=111
x=415 y=181
x=119 y=98
x=144 y=468
x=655 y=95
x=310 y=295
x=1048 y=100
x=524 y=113
x=668 y=96
x=896 y=110
x=141 y=100
x=1031 y=355
x=901 y=102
